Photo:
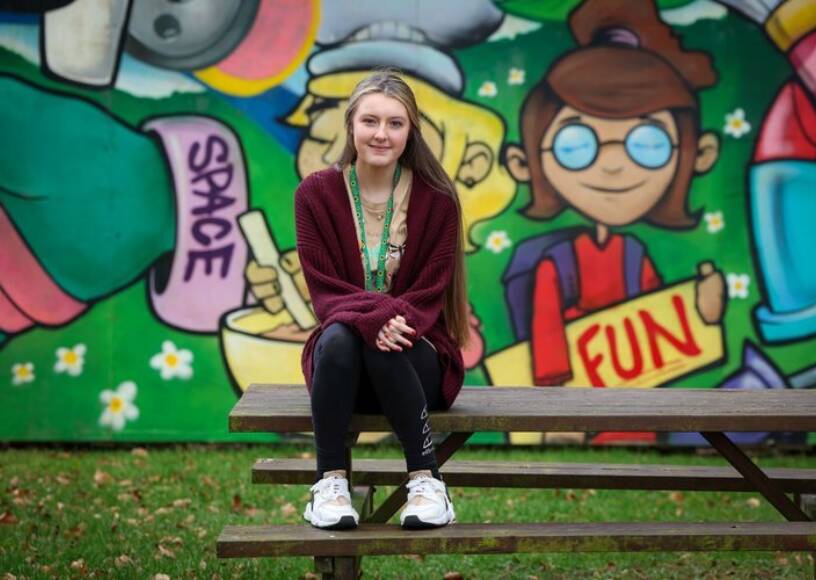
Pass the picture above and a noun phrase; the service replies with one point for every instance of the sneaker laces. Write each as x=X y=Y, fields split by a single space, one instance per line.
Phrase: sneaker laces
x=424 y=487
x=333 y=487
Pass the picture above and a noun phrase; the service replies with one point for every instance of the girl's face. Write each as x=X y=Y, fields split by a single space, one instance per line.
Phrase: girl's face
x=613 y=171
x=380 y=127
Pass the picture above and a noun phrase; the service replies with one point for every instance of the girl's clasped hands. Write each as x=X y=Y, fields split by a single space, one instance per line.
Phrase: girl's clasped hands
x=393 y=336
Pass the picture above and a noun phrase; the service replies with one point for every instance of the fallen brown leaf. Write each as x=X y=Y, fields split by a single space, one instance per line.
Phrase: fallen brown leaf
x=236 y=503
x=452 y=576
x=123 y=560
x=161 y=577
x=208 y=481
x=139 y=452
x=63 y=479
x=76 y=532
x=172 y=540
x=166 y=552
x=287 y=510
x=8 y=518
x=182 y=503
x=753 y=502
x=102 y=477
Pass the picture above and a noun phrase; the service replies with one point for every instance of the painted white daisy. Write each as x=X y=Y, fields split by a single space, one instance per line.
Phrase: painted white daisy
x=488 y=89
x=735 y=124
x=498 y=241
x=119 y=407
x=173 y=362
x=714 y=221
x=738 y=285
x=516 y=76
x=22 y=373
x=70 y=360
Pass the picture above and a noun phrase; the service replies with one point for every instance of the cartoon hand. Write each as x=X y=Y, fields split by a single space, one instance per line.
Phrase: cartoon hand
x=264 y=283
x=710 y=293
x=290 y=261
x=474 y=351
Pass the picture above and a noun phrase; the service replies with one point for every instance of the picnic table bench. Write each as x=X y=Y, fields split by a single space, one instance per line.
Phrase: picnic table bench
x=710 y=412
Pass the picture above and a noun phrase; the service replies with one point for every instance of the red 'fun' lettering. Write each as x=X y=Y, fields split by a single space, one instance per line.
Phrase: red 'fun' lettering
x=686 y=345
x=637 y=358
x=591 y=364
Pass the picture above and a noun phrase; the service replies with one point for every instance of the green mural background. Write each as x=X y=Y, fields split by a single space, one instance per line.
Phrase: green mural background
x=122 y=333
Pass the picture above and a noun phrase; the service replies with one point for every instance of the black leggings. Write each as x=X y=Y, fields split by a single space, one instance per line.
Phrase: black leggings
x=351 y=377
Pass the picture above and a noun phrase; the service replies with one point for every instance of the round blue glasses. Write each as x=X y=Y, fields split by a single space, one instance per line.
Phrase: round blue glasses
x=576 y=146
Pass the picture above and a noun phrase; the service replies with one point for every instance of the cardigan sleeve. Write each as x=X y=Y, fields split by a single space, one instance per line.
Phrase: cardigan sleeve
x=423 y=301
x=334 y=299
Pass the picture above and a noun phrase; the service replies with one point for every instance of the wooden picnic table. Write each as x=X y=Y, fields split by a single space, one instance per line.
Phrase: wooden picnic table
x=710 y=412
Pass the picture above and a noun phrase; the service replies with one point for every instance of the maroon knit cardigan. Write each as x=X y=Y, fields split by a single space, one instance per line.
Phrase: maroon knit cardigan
x=330 y=256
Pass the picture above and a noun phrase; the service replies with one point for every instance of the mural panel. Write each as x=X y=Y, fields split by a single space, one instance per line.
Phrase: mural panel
x=637 y=180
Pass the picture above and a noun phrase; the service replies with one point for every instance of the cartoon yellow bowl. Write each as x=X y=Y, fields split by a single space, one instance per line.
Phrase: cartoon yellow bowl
x=261 y=347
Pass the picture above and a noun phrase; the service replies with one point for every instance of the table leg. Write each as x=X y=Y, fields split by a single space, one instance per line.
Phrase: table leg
x=754 y=475
x=393 y=502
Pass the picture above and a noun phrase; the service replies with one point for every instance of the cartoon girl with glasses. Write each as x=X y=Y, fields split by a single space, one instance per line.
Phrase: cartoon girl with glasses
x=611 y=131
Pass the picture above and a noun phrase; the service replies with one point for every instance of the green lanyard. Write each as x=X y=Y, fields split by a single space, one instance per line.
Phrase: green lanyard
x=389 y=210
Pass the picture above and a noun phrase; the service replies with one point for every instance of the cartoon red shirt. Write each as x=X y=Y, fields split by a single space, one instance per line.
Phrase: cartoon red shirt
x=601 y=279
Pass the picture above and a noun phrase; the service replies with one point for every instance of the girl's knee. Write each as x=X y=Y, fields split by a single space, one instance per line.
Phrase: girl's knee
x=338 y=346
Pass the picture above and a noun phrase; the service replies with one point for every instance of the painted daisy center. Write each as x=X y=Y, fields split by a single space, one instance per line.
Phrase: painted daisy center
x=116 y=405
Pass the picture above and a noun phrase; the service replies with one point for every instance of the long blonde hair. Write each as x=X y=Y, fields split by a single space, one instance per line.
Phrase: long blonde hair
x=422 y=162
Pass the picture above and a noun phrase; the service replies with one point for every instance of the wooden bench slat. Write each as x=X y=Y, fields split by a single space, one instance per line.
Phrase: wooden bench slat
x=286 y=408
x=545 y=475
x=383 y=539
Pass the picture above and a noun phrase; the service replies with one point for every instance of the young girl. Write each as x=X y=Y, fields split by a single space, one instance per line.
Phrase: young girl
x=379 y=237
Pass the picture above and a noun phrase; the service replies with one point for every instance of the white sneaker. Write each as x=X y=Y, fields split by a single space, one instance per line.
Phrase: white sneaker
x=429 y=505
x=331 y=507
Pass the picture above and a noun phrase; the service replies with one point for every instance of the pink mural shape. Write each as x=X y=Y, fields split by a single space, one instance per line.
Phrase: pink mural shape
x=206 y=274
x=789 y=128
x=803 y=58
x=274 y=41
x=28 y=295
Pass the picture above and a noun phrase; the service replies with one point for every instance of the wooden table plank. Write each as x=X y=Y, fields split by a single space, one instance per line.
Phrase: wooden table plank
x=523 y=474
x=286 y=408
x=382 y=539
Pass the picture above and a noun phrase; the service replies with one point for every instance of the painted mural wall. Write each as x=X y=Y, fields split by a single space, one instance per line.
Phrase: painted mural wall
x=638 y=181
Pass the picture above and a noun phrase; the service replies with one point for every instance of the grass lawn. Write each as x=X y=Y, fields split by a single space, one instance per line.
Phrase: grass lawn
x=138 y=513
